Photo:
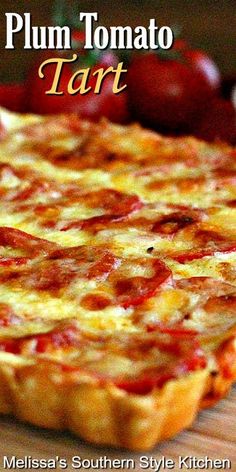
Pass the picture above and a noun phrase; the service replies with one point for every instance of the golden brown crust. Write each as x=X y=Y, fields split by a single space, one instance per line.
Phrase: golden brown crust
x=100 y=414
x=43 y=395
x=219 y=383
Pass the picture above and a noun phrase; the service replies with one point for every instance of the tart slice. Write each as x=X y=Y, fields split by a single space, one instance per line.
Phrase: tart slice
x=117 y=278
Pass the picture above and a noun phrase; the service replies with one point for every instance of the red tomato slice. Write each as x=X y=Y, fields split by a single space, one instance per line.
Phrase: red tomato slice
x=18 y=261
x=191 y=361
x=113 y=201
x=62 y=266
x=174 y=222
x=176 y=330
x=116 y=204
x=18 y=239
x=199 y=253
x=96 y=223
x=135 y=290
x=206 y=285
x=222 y=304
x=216 y=297
x=56 y=339
x=7 y=316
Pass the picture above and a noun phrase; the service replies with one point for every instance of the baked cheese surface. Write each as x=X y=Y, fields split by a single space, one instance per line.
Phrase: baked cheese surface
x=117 y=235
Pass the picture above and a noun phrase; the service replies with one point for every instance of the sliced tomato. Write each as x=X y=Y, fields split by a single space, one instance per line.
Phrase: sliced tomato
x=102 y=268
x=8 y=261
x=144 y=384
x=96 y=223
x=225 y=304
x=18 y=239
x=34 y=187
x=174 y=222
x=192 y=360
x=216 y=298
x=135 y=290
x=199 y=253
x=113 y=201
x=177 y=330
x=117 y=206
x=7 y=316
x=206 y=285
x=11 y=345
x=58 y=338
x=64 y=265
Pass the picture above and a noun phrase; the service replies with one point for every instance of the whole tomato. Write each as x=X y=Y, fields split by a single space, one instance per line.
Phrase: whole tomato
x=12 y=97
x=91 y=106
x=218 y=122
x=170 y=90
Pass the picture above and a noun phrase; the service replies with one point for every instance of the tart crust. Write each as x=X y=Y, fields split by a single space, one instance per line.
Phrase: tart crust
x=43 y=395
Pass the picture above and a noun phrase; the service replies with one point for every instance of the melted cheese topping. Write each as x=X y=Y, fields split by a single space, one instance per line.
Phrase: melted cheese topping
x=168 y=200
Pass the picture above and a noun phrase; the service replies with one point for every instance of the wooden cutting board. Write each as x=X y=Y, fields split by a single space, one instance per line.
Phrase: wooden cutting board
x=213 y=435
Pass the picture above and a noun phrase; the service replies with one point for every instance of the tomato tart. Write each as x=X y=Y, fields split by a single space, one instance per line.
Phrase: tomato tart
x=118 y=277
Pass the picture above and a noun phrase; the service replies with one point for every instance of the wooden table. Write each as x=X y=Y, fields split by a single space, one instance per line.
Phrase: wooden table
x=213 y=435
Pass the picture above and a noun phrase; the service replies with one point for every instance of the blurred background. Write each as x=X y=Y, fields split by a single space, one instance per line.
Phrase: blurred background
x=208 y=24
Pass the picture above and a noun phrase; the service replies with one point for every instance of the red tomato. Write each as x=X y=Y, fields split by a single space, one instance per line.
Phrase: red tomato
x=171 y=92
x=12 y=97
x=206 y=68
x=218 y=122
x=91 y=106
